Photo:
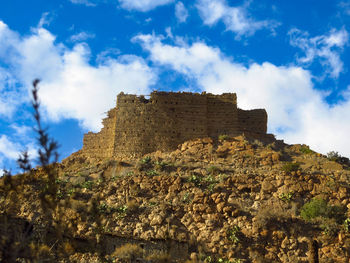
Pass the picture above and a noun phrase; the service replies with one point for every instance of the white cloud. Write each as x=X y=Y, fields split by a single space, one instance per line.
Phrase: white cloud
x=345 y=7
x=21 y=130
x=84 y=2
x=82 y=36
x=325 y=48
x=236 y=19
x=143 y=5
x=297 y=112
x=137 y=5
x=8 y=149
x=181 y=12
x=10 y=98
x=71 y=87
x=45 y=19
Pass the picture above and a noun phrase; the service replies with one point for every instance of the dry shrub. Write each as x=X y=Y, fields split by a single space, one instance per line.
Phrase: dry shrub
x=40 y=251
x=128 y=251
x=271 y=214
x=132 y=205
x=192 y=261
x=68 y=248
x=159 y=257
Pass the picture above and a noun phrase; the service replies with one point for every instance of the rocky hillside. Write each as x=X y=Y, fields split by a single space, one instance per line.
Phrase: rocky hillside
x=232 y=200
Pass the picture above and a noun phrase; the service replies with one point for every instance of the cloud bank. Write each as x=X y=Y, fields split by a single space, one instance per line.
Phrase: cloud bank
x=297 y=112
x=71 y=86
x=143 y=5
x=325 y=49
x=236 y=19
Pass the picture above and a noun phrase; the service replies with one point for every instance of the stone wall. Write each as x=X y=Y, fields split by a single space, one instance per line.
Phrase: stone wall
x=101 y=144
x=138 y=125
x=253 y=120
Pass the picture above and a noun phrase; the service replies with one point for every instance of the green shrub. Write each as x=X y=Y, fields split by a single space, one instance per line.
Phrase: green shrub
x=313 y=209
x=187 y=199
x=195 y=179
x=146 y=160
x=152 y=173
x=286 y=197
x=103 y=208
x=145 y=164
x=306 y=149
x=333 y=156
x=211 y=182
x=87 y=184
x=232 y=234
x=291 y=167
x=330 y=227
x=320 y=208
x=336 y=157
x=161 y=165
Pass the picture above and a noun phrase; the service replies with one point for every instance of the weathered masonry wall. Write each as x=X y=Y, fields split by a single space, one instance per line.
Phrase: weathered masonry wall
x=138 y=125
x=160 y=123
x=101 y=144
x=253 y=120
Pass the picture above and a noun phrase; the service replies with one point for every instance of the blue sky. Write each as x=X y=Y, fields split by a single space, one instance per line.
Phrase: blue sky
x=289 y=57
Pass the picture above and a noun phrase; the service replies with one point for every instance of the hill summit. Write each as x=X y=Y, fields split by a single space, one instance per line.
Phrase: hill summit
x=227 y=193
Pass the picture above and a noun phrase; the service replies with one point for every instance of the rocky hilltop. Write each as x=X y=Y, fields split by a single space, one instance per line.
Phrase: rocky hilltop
x=230 y=200
x=214 y=199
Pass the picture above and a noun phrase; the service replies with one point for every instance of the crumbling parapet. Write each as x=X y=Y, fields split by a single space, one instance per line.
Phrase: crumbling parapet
x=137 y=125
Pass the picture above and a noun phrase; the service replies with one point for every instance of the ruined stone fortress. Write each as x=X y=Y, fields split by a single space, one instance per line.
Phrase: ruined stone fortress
x=137 y=125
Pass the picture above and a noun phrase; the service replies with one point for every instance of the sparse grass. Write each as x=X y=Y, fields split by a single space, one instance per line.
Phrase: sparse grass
x=159 y=257
x=213 y=170
x=306 y=149
x=152 y=204
x=128 y=251
x=223 y=137
x=291 y=167
x=258 y=143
